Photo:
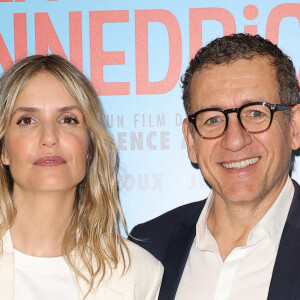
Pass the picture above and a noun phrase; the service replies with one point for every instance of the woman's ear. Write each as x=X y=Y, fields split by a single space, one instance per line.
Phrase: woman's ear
x=295 y=120
x=4 y=156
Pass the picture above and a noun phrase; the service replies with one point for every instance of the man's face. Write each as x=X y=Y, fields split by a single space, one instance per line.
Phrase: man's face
x=228 y=86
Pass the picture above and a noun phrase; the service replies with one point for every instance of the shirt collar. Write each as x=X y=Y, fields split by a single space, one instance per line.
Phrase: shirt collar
x=272 y=222
x=274 y=219
x=204 y=239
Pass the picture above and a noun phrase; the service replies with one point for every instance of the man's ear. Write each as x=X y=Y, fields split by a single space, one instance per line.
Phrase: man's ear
x=189 y=139
x=4 y=156
x=295 y=120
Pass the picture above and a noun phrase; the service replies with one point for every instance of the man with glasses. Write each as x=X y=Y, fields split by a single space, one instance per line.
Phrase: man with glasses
x=241 y=96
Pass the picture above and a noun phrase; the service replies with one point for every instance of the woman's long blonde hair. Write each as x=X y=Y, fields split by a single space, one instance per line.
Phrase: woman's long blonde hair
x=93 y=230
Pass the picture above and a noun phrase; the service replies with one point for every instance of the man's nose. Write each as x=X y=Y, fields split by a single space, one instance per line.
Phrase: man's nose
x=235 y=137
x=49 y=135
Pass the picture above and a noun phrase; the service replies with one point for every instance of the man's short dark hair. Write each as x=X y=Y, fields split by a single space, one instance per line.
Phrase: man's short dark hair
x=229 y=49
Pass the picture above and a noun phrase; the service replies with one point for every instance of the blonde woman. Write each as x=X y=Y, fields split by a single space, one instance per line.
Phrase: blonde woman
x=59 y=206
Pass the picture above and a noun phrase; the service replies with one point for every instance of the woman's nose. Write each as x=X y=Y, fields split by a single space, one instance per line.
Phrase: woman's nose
x=49 y=135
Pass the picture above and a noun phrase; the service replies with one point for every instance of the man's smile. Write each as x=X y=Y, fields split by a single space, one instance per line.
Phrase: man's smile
x=241 y=164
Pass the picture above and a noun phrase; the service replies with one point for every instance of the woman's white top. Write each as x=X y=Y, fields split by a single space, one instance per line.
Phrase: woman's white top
x=46 y=278
x=141 y=281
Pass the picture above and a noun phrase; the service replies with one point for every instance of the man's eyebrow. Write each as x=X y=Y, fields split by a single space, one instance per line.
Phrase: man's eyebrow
x=35 y=109
x=246 y=101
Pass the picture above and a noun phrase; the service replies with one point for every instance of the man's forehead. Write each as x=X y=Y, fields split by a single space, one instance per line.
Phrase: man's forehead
x=243 y=78
x=256 y=59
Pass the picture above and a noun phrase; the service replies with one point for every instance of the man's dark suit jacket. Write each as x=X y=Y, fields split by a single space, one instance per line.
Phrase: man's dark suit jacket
x=170 y=237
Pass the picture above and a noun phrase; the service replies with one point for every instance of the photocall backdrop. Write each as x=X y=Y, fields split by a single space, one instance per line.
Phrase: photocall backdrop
x=134 y=52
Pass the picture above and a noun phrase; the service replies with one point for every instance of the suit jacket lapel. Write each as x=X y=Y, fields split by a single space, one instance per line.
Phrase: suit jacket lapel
x=285 y=281
x=176 y=257
x=177 y=253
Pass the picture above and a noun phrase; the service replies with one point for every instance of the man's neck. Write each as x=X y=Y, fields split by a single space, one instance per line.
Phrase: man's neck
x=231 y=222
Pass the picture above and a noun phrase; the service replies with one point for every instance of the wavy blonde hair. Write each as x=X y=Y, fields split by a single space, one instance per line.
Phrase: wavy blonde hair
x=93 y=230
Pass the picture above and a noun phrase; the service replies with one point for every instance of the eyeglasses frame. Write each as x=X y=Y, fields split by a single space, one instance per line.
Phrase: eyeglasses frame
x=272 y=108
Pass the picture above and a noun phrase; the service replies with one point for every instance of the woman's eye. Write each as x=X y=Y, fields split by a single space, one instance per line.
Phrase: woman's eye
x=26 y=121
x=69 y=120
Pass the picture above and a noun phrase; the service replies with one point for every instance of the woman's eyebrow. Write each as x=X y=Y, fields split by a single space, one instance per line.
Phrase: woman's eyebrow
x=35 y=109
x=67 y=108
x=25 y=109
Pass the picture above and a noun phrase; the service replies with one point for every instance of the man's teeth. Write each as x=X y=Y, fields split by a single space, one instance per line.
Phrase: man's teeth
x=241 y=164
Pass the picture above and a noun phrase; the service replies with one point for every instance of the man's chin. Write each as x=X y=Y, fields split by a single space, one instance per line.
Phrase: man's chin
x=242 y=194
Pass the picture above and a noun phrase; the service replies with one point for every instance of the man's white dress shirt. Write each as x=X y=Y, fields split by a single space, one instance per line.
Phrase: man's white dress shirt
x=246 y=272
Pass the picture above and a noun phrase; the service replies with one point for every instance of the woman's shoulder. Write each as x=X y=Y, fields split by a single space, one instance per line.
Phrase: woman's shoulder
x=139 y=253
x=142 y=278
x=142 y=260
x=139 y=280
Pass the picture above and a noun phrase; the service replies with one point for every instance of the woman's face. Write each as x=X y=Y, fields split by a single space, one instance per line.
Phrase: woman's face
x=45 y=145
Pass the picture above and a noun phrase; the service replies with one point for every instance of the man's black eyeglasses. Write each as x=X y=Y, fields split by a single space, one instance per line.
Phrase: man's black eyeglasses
x=255 y=117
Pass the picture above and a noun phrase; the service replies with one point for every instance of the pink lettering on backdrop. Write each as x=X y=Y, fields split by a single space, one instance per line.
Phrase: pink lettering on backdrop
x=100 y=58
x=46 y=37
x=198 y=15
x=5 y=58
x=20 y=36
x=75 y=33
x=275 y=17
x=142 y=19
x=250 y=13
x=20 y=40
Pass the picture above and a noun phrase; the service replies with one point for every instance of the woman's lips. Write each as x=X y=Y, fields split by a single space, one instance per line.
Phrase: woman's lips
x=49 y=161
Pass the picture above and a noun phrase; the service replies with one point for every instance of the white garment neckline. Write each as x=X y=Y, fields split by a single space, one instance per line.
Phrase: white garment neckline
x=30 y=262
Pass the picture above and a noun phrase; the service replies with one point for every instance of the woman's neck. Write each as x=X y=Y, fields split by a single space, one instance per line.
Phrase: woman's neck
x=41 y=221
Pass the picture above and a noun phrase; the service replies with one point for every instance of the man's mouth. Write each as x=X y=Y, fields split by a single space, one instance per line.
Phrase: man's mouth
x=241 y=164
